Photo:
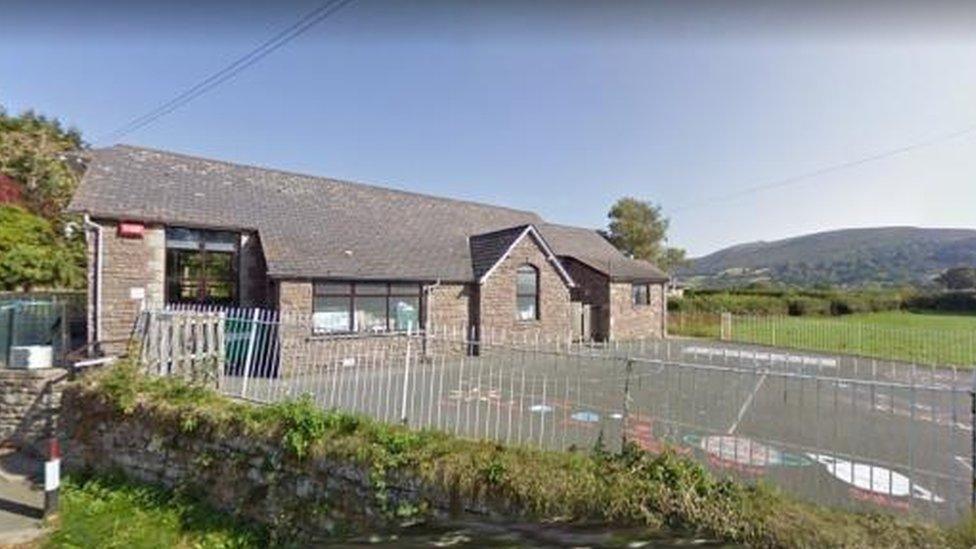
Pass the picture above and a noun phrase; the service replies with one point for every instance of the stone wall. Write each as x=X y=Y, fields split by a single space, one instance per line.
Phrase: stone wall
x=497 y=303
x=247 y=475
x=592 y=288
x=629 y=321
x=133 y=275
x=31 y=400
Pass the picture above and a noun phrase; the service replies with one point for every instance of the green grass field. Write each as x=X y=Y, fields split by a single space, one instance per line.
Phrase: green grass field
x=924 y=338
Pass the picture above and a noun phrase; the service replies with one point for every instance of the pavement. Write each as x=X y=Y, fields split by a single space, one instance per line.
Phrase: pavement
x=21 y=499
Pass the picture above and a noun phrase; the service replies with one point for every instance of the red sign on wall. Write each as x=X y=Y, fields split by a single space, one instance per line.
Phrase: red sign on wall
x=130 y=229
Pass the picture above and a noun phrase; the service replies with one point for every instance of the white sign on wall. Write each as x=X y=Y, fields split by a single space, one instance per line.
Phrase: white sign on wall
x=137 y=293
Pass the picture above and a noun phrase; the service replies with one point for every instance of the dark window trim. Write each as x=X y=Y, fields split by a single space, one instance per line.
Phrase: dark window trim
x=536 y=294
x=351 y=295
x=235 y=264
x=647 y=294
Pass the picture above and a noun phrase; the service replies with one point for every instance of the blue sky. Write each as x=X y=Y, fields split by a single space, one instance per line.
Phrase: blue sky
x=555 y=107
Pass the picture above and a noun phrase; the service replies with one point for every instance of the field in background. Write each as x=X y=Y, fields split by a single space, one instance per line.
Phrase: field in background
x=923 y=338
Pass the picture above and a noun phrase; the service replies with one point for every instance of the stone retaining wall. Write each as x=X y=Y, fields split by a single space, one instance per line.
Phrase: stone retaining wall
x=31 y=400
x=250 y=476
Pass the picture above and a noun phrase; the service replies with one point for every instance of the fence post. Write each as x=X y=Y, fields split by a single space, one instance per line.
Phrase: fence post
x=726 y=329
x=221 y=348
x=250 y=352
x=406 y=377
x=626 y=419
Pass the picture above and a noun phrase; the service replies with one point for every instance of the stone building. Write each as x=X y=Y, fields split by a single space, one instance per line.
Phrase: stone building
x=165 y=228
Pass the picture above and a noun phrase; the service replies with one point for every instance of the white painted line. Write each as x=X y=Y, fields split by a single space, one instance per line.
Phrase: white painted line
x=965 y=462
x=806 y=360
x=745 y=405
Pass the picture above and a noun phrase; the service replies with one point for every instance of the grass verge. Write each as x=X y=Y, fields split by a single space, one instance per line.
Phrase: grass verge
x=924 y=338
x=633 y=487
x=110 y=512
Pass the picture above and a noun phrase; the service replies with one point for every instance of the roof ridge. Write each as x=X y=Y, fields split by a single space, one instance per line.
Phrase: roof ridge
x=321 y=178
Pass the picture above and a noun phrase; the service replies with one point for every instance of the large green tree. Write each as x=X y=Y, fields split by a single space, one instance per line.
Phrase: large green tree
x=639 y=229
x=43 y=246
x=31 y=255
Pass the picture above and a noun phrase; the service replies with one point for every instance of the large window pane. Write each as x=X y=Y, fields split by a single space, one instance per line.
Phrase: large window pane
x=640 y=294
x=404 y=289
x=404 y=313
x=526 y=281
x=331 y=314
x=370 y=314
x=526 y=307
x=333 y=288
x=371 y=288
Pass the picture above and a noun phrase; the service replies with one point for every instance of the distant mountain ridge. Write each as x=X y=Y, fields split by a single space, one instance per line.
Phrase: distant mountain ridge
x=846 y=257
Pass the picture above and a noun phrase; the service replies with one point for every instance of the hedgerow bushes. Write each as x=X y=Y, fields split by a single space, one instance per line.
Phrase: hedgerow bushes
x=793 y=302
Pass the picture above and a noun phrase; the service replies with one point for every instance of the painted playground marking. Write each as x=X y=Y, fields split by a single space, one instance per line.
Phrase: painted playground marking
x=757 y=356
x=745 y=405
x=586 y=417
x=872 y=479
x=743 y=454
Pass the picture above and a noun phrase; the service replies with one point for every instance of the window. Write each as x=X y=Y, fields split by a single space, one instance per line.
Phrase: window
x=370 y=307
x=641 y=294
x=527 y=293
x=201 y=266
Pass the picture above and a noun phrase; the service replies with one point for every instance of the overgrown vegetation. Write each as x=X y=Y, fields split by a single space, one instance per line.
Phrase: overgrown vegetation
x=633 y=487
x=110 y=512
x=40 y=245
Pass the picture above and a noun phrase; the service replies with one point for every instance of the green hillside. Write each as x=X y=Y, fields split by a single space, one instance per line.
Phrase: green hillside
x=885 y=256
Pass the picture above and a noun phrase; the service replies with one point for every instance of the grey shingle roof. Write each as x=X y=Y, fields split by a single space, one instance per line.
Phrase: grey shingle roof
x=488 y=248
x=590 y=248
x=309 y=226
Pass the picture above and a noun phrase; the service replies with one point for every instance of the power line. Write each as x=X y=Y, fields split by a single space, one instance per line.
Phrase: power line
x=281 y=38
x=827 y=169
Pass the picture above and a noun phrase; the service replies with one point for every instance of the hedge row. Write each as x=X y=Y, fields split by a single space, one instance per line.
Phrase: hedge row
x=815 y=303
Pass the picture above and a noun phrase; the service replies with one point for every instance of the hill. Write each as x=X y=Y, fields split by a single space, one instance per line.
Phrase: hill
x=849 y=257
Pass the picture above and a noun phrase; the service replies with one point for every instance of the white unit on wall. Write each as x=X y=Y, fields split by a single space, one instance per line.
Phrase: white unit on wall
x=31 y=357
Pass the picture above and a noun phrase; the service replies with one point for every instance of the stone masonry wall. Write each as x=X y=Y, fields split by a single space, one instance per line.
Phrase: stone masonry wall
x=497 y=306
x=593 y=288
x=629 y=321
x=133 y=275
x=31 y=400
x=247 y=475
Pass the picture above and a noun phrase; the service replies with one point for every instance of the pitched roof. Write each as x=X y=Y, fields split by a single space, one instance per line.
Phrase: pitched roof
x=590 y=248
x=309 y=226
x=490 y=249
x=487 y=249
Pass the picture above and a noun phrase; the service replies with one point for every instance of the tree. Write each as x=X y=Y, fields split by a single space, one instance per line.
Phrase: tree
x=31 y=254
x=958 y=278
x=638 y=229
x=36 y=248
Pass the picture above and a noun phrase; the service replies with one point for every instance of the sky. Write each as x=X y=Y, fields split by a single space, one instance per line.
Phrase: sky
x=709 y=108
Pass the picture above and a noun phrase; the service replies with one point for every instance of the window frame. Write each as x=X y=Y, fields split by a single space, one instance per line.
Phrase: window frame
x=203 y=250
x=393 y=289
x=535 y=295
x=634 y=287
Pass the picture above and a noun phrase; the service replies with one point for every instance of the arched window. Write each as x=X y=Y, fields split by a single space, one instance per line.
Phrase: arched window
x=527 y=293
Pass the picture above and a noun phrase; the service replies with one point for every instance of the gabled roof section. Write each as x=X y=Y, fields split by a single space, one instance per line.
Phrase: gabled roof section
x=590 y=248
x=489 y=250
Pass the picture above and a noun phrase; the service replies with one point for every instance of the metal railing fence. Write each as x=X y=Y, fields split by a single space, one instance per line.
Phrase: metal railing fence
x=841 y=431
x=922 y=346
